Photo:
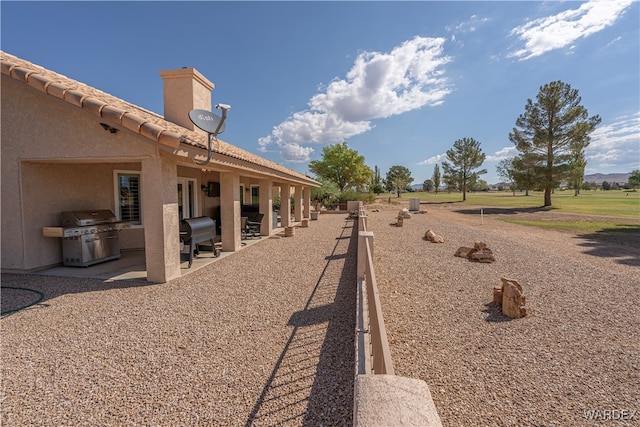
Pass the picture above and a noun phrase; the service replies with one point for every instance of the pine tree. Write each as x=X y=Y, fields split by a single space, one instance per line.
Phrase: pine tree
x=465 y=156
x=550 y=130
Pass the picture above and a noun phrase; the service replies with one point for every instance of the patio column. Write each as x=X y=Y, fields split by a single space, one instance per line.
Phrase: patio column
x=160 y=218
x=230 y=211
x=276 y=193
x=298 y=203
x=266 y=206
x=285 y=205
x=307 y=202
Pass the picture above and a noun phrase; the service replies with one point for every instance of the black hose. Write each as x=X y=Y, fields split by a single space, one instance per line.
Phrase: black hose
x=24 y=306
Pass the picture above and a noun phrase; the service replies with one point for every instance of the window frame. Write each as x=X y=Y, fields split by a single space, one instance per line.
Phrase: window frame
x=189 y=184
x=116 y=192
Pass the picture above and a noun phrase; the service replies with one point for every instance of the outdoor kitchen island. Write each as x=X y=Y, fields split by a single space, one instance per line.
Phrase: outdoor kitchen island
x=88 y=237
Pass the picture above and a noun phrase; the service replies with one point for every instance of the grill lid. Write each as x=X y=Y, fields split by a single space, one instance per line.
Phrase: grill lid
x=80 y=218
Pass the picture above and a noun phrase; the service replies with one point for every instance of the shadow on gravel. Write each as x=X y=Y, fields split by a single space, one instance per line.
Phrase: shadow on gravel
x=494 y=313
x=621 y=242
x=441 y=203
x=286 y=396
x=501 y=211
x=30 y=292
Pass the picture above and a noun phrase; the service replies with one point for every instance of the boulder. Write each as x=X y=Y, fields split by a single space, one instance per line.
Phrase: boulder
x=463 y=252
x=404 y=213
x=433 y=237
x=480 y=246
x=480 y=252
x=497 y=294
x=513 y=299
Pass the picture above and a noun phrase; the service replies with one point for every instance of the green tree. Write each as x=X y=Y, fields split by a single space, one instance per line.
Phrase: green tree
x=465 y=156
x=577 y=165
x=341 y=165
x=376 y=182
x=398 y=178
x=527 y=172
x=480 y=185
x=505 y=170
x=634 y=179
x=427 y=185
x=452 y=182
x=552 y=128
x=436 y=177
x=325 y=194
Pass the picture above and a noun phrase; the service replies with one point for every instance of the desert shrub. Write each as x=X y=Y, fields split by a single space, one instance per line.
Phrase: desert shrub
x=352 y=195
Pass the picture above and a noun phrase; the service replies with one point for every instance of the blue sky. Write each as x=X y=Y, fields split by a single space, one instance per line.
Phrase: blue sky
x=399 y=81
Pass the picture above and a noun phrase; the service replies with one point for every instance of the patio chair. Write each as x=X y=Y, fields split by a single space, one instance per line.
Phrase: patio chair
x=243 y=227
x=253 y=225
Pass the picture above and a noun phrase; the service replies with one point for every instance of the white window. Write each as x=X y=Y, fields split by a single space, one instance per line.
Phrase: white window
x=129 y=200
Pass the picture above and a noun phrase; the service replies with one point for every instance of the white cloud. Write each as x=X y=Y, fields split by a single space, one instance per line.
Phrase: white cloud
x=557 y=31
x=433 y=160
x=468 y=26
x=615 y=144
x=295 y=153
x=503 y=153
x=614 y=41
x=379 y=85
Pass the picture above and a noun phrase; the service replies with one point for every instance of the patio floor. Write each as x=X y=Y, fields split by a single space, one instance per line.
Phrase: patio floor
x=131 y=265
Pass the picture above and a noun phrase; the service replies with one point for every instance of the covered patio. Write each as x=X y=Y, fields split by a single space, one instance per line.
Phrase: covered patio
x=132 y=264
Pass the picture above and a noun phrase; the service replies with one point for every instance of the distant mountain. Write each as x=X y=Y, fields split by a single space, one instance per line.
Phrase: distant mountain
x=598 y=178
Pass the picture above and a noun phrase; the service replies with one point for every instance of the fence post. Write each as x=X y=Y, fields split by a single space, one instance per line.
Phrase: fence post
x=363 y=236
x=362 y=223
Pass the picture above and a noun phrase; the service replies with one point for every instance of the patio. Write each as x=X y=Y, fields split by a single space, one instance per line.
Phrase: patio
x=131 y=265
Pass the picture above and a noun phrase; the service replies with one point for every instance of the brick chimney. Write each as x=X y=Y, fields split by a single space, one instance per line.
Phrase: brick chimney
x=185 y=89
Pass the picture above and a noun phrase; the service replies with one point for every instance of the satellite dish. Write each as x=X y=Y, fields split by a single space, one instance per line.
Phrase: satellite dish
x=210 y=123
x=207 y=121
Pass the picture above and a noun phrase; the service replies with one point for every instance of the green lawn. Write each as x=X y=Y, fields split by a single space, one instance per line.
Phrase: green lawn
x=617 y=203
x=623 y=206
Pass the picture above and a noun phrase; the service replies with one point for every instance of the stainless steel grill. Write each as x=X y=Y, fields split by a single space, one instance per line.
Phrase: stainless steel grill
x=90 y=237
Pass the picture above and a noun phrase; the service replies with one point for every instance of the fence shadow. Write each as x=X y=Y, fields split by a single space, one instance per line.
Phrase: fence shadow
x=312 y=380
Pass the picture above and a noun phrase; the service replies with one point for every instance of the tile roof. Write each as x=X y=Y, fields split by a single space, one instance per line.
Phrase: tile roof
x=118 y=112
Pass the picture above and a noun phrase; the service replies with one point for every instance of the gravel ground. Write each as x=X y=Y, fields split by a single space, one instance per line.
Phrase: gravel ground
x=263 y=337
x=578 y=349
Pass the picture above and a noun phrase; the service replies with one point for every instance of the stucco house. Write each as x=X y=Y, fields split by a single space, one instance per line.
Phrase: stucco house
x=67 y=146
